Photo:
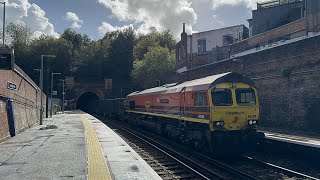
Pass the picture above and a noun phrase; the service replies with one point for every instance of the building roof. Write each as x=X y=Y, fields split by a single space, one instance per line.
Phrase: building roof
x=240 y=25
x=274 y=3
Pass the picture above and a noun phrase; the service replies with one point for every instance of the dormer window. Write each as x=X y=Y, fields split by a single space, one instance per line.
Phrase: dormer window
x=202 y=49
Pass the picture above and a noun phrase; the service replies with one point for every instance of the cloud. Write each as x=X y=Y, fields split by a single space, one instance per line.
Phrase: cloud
x=106 y=27
x=161 y=14
x=251 y=4
x=31 y=15
x=74 y=19
x=217 y=20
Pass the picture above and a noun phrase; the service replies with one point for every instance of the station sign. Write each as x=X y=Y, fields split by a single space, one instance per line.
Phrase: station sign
x=11 y=86
x=54 y=93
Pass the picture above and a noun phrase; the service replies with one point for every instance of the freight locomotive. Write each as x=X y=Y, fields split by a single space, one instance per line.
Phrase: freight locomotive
x=216 y=111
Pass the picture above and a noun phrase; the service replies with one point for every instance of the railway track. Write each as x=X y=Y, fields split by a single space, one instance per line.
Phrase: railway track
x=202 y=169
x=200 y=165
x=166 y=165
x=280 y=169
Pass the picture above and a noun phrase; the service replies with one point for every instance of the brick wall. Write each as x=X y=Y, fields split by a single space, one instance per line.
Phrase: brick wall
x=4 y=128
x=283 y=32
x=25 y=98
x=288 y=80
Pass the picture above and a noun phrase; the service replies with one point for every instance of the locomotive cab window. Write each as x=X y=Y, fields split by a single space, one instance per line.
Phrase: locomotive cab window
x=245 y=97
x=200 y=99
x=221 y=97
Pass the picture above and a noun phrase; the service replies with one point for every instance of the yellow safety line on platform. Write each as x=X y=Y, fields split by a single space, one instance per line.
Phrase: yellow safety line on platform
x=97 y=165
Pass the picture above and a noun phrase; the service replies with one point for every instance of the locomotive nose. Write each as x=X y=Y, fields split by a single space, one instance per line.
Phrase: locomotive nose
x=237 y=121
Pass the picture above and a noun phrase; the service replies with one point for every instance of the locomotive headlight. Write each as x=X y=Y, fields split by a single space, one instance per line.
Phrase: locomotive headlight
x=252 y=122
x=219 y=123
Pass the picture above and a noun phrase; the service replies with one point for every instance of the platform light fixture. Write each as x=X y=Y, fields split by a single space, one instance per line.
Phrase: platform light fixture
x=63 y=94
x=4 y=23
x=41 y=85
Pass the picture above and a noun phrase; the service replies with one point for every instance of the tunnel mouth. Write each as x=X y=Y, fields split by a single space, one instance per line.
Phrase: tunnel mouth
x=86 y=101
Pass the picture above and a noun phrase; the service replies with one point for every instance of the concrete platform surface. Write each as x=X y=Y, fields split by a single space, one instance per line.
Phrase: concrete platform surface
x=57 y=151
x=124 y=162
x=294 y=139
x=74 y=145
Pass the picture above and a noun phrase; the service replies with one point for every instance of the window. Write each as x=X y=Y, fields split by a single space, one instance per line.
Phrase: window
x=245 y=97
x=227 y=39
x=202 y=46
x=200 y=99
x=221 y=97
x=132 y=104
x=179 y=56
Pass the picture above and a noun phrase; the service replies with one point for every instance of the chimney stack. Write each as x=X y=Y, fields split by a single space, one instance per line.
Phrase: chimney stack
x=184 y=27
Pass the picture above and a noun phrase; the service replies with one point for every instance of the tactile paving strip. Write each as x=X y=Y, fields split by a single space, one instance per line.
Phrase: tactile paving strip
x=97 y=165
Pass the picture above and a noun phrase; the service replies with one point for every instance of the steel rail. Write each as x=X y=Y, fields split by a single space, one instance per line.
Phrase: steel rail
x=142 y=138
x=220 y=165
x=287 y=171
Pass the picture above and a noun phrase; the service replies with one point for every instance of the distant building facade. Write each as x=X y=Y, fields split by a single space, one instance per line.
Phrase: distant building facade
x=212 y=46
x=204 y=47
x=273 y=14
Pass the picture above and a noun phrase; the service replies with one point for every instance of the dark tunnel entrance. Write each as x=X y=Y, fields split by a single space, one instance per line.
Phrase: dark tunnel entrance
x=86 y=101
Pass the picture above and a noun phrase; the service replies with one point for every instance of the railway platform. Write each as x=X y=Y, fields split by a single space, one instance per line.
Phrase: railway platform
x=293 y=138
x=73 y=145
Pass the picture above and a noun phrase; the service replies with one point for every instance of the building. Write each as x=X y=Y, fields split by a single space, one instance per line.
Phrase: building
x=205 y=47
x=210 y=47
x=273 y=14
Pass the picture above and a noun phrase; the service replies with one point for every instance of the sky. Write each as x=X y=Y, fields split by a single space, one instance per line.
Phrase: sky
x=96 y=17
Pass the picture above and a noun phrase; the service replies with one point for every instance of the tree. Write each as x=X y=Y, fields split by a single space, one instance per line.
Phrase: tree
x=153 y=39
x=74 y=38
x=18 y=35
x=155 y=65
x=48 y=45
x=119 y=55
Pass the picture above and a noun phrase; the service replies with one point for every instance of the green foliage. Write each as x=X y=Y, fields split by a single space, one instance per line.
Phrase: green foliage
x=110 y=57
x=18 y=34
x=156 y=64
x=118 y=58
x=153 y=39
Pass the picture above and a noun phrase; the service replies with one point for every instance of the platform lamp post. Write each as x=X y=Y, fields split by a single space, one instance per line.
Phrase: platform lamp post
x=39 y=70
x=63 y=95
x=41 y=85
x=4 y=23
x=51 y=104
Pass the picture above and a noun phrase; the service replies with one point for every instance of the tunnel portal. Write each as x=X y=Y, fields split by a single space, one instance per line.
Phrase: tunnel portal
x=86 y=101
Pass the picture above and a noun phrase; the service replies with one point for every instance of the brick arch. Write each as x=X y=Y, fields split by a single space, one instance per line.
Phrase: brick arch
x=99 y=93
x=81 y=88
